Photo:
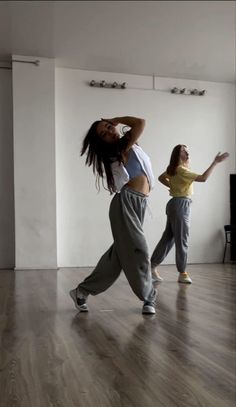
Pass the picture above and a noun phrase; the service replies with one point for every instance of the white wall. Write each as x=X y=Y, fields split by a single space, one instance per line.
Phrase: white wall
x=34 y=163
x=206 y=124
x=7 y=249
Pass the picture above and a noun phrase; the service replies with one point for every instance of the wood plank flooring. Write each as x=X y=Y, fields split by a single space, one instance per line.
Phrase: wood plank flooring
x=113 y=356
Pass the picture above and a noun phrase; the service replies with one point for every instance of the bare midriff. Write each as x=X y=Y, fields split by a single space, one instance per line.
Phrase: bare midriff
x=139 y=184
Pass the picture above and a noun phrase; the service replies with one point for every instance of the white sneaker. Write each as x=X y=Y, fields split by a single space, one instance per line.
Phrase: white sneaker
x=148 y=308
x=156 y=278
x=184 y=278
x=79 y=300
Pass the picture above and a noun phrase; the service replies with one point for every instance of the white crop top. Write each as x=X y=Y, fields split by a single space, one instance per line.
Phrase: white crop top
x=120 y=174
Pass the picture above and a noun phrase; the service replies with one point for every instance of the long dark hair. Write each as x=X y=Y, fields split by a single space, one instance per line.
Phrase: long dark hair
x=174 y=160
x=100 y=155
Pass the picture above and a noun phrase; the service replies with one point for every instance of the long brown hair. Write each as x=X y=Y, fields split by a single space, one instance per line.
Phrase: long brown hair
x=100 y=155
x=174 y=159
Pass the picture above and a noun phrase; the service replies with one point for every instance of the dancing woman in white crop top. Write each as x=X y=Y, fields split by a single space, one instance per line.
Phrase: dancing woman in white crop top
x=128 y=173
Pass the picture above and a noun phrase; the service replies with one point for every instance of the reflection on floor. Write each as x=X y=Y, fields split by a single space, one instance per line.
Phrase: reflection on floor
x=114 y=356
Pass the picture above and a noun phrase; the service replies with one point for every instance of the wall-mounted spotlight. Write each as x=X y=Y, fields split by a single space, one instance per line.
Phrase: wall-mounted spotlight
x=194 y=92
x=123 y=85
x=182 y=91
x=92 y=83
x=102 y=84
x=174 y=90
x=202 y=92
x=114 y=85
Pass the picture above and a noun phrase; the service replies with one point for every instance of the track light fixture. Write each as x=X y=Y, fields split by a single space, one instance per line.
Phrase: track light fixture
x=123 y=85
x=104 y=84
x=183 y=91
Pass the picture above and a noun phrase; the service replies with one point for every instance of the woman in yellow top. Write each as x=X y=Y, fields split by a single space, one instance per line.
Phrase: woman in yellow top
x=179 y=179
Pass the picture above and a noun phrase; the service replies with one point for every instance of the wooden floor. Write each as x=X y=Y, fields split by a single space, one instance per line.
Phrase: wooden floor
x=52 y=356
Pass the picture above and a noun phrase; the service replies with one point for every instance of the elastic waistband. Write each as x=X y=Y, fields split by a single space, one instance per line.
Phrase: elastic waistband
x=181 y=198
x=132 y=191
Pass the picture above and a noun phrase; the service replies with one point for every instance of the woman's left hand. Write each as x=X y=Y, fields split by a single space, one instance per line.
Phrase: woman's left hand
x=221 y=157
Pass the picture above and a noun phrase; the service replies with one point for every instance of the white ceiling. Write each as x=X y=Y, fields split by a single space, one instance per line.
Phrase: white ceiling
x=182 y=39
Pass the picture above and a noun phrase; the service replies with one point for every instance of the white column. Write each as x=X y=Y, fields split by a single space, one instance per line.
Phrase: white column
x=34 y=163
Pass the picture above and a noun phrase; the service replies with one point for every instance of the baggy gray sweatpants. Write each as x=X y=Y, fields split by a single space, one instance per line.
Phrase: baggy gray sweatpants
x=176 y=231
x=129 y=251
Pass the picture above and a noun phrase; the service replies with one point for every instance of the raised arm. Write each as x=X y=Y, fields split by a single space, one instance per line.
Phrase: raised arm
x=136 y=128
x=218 y=159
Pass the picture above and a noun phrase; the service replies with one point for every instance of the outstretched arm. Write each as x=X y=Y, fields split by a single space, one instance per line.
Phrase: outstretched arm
x=136 y=128
x=218 y=159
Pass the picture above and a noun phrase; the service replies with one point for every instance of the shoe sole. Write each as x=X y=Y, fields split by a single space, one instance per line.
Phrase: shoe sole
x=157 y=280
x=82 y=308
x=148 y=310
x=185 y=282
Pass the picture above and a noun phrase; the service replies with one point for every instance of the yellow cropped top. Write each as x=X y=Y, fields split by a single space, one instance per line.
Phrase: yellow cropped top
x=181 y=184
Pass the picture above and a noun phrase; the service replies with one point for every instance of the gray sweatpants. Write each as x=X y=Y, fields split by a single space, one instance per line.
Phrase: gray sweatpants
x=129 y=251
x=176 y=231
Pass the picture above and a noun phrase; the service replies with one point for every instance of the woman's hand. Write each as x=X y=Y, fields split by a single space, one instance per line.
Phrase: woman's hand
x=164 y=179
x=220 y=157
x=115 y=121
x=136 y=125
